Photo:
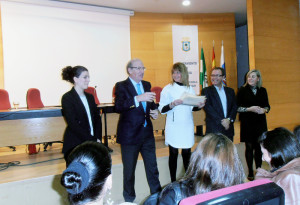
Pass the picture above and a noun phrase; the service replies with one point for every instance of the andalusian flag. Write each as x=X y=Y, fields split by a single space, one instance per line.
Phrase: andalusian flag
x=222 y=63
x=203 y=76
x=213 y=63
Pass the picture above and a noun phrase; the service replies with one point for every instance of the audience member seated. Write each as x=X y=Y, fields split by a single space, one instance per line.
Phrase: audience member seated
x=88 y=174
x=214 y=164
x=281 y=150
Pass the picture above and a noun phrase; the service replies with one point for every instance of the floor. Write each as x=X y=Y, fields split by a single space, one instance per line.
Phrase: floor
x=51 y=162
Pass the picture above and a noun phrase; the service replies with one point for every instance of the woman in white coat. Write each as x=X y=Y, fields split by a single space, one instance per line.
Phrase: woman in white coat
x=179 y=130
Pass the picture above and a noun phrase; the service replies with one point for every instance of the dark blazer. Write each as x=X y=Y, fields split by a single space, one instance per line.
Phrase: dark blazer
x=214 y=110
x=78 y=128
x=252 y=124
x=131 y=122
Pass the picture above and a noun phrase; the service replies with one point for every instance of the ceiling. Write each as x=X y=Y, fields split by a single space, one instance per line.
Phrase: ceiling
x=238 y=7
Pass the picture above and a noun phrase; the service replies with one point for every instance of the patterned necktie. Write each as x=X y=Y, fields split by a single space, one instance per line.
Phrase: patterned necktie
x=138 y=87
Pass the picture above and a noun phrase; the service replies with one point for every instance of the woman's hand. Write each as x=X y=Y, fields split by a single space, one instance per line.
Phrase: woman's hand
x=256 y=109
x=175 y=103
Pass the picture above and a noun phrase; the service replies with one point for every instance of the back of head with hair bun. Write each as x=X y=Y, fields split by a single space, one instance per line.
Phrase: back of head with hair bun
x=71 y=181
x=68 y=74
x=88 y=167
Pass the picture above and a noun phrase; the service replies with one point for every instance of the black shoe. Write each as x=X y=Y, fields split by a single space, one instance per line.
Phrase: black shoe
x=250 y=177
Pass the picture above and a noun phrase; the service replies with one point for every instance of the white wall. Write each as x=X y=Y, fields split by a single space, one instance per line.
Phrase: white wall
x=38 y=41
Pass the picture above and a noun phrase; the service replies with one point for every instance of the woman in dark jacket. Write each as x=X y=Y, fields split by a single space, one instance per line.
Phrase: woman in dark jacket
x=79 y=110
x=253 y=103
x=214 y=164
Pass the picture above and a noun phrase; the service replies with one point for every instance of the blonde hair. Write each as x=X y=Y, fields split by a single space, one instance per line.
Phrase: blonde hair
x=258 y=74
x=214 y=164
x=184 y=73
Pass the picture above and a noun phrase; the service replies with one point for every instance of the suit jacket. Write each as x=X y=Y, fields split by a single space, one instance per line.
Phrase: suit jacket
x=78 y=128
x=131 y=122
x=214 y=110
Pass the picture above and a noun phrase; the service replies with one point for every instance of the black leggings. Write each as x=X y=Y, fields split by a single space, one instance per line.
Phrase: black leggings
x=250 y=147
x=173 y=152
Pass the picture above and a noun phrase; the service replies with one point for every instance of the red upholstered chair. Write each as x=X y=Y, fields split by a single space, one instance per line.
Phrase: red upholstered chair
x=114 y=94
x=92 y=90
x=4 y=100
x=34 y=99
x=5 y=105
x=157 y=90
x=261 y=192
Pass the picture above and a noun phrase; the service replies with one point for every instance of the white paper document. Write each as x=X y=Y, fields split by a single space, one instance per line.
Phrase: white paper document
x=194 y=100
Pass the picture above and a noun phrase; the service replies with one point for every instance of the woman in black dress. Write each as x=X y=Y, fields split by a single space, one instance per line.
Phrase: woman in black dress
x=79 y=110
x=253 y=103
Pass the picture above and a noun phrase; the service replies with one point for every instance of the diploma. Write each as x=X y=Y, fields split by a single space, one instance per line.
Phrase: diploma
x=190 y=99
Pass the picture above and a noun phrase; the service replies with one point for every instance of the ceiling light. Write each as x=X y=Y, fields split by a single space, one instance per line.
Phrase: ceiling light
x=186 y=2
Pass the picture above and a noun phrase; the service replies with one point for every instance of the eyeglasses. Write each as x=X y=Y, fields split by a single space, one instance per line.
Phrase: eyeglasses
x=139 y=68
x=216 y=76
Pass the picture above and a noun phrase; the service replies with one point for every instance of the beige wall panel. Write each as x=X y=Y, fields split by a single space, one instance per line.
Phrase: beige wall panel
x=1 y=56
x=286 y=92
x=163 y=41
x=278 y=70
x=250 y=34
x=276 y=48
x=144 y=41
x=285 y=8
x=277 y=26
x=286 y=115
x=154 y=58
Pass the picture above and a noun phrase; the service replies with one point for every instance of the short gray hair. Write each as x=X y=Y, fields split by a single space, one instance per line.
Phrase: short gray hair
x=129 y=64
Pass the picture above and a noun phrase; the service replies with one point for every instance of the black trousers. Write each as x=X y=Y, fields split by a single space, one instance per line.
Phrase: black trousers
x=129 y=158
x=250 y=148
x=173 y=156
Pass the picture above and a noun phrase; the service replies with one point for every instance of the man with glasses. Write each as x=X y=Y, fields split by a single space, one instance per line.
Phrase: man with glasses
x=135 y=103
x=220 y=106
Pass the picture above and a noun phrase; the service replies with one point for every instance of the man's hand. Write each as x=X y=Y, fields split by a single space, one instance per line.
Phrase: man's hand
x=146 y=97
x=225 y=123
x=154 y=114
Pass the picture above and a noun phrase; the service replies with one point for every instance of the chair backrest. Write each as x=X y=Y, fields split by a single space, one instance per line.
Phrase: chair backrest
x=114 y=94
x=4 y=100
x=33 y=98
x=92 y=90
x=157 y=90
x=261 y=191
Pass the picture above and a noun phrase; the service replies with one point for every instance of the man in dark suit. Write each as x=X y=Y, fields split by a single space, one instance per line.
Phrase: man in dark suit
x=135 y=103
x=220 y=106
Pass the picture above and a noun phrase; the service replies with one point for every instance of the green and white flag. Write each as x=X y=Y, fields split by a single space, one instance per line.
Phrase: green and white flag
x=203 y=75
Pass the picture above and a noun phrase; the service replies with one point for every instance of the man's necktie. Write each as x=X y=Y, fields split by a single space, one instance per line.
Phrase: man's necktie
x=138 y=87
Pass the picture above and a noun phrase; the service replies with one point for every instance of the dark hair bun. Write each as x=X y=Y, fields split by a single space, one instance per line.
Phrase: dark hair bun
x=71 y=181
x=68 y=74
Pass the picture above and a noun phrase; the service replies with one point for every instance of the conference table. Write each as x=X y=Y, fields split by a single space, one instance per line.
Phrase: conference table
x=32 y=126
